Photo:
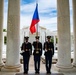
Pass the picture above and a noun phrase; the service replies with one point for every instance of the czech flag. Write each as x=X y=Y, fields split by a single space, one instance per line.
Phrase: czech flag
x=35 y=20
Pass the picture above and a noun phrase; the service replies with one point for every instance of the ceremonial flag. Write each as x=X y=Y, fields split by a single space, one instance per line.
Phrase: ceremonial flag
x=35 y=20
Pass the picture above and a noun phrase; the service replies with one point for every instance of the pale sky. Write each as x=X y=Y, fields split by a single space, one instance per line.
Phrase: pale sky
x=47 y=13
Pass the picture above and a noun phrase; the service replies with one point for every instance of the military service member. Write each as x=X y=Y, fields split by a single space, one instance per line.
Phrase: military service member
x=37 y=54
x=27 y=50
x=49 y=52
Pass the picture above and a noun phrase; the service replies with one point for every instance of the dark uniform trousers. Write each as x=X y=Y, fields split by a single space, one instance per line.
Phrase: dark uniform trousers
x=37 y=62
x=37 y=55
x=26 y=62
x=26 y=55
x=49 y=52
x=48 y=61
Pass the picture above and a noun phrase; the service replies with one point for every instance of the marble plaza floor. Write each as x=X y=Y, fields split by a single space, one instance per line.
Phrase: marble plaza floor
x=13 y=73
x=42 y=70
x=40 y=74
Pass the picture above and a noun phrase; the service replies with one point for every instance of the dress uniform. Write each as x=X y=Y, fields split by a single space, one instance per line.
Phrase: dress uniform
x=49 y=52
x=27 y=50
x=37 y=54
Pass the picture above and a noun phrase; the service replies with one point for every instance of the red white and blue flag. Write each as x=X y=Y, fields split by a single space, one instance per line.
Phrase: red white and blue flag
x=35 y=20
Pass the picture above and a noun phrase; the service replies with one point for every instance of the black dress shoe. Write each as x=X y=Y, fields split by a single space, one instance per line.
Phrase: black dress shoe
x=48 y=72
x=38 y=72
x=25 y=72
x=35 y=72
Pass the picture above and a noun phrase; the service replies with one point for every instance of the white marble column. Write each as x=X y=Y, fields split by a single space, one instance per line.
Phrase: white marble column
x=74 y=29
x=64 y=43
x=1 y=30
x=13 y=37
x=54 y=42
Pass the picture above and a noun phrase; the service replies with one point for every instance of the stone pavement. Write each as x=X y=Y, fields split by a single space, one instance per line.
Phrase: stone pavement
x=42 y=70
x=40 y=74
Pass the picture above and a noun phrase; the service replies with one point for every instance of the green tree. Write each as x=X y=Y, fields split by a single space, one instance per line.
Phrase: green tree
x=56 y=40
x=4 y=30
x=5 y=40
x=52 y=39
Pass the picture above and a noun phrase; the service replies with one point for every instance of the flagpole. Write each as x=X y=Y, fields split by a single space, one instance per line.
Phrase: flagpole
x=36 y=1
x=24 y=36
x=45 y=35
x=37 y=23
x=37 y=29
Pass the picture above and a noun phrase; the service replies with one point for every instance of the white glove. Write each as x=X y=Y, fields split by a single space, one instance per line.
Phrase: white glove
x=45 y=50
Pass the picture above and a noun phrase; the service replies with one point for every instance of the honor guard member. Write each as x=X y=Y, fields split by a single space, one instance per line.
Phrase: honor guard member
x=27 y=50
x=49 y=52
x=37 y=54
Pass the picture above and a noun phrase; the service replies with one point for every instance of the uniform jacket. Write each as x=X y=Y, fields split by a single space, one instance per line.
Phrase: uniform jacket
x=37 y=48
x=48 y=48
x=27 y=48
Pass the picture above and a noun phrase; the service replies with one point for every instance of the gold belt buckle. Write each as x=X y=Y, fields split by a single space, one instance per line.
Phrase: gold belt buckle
x=49 y=49
x=37 y=49
x=37 y=52
x=26 y=49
